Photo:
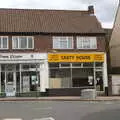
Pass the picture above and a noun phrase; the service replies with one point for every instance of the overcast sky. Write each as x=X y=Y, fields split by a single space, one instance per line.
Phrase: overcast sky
x=105 y=10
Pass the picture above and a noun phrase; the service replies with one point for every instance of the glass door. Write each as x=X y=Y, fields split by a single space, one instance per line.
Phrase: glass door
x=10 y=80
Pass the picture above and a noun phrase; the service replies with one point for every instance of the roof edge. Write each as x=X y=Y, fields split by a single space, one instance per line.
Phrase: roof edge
x=36 y=9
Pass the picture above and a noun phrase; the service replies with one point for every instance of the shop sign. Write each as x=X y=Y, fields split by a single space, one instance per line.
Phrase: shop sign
x=99 y=57
x=75 y=57
x=22 y=56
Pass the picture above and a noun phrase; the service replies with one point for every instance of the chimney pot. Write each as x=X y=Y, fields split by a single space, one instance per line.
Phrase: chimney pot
x=91 y=9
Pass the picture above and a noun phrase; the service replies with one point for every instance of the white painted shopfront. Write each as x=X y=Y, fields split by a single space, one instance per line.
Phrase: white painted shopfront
x=23 y=72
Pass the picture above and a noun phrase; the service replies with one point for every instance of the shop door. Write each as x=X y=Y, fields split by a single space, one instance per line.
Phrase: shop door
x=9 y=86
x=99 y=79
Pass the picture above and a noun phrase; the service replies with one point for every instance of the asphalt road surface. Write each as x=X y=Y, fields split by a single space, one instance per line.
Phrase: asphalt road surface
x=71 y=110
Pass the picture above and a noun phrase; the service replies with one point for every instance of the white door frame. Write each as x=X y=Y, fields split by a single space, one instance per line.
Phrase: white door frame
x=7 y=84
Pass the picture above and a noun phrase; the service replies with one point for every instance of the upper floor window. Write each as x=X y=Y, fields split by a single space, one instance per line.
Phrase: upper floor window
x=22 y=42
x=62 y=42
x=3 y=42
x=86 y=43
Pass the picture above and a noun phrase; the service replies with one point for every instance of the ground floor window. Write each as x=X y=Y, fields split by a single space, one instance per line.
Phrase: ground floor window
x=68 y=75
x=30 y=81
x=20 y=77
x=80 y=77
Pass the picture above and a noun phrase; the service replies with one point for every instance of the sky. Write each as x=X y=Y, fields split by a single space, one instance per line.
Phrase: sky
x=105 y=10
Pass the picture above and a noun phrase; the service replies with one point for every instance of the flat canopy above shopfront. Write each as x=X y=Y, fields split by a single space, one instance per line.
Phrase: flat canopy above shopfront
x=75 y=57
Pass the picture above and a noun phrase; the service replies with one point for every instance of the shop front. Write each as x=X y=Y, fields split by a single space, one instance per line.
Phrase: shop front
x=23 y=73
x=68 y=70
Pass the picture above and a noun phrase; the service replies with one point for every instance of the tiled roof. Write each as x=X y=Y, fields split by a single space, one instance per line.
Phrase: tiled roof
x=48 y=21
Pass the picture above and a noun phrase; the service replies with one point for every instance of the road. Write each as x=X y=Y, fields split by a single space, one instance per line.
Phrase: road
x=68 y=110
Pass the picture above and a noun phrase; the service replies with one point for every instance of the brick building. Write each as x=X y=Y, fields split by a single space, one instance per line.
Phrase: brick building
x=53 y=51
x=114 y=55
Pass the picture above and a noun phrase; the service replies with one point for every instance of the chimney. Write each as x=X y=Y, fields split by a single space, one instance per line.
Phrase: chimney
x=91 y=9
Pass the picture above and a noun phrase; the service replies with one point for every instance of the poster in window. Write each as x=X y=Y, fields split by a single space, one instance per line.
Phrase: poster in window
x=26 y=83
x=34 y=79
x=90 y=80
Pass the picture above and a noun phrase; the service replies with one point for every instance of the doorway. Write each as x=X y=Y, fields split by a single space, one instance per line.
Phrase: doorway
x=10 y=80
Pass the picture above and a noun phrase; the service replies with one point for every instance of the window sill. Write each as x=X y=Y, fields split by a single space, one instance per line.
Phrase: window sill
x=87 y=48
x=62 y=48
x=24 y=49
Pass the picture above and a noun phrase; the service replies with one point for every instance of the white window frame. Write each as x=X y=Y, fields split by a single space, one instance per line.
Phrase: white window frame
x=19 y=42
x=67 y=38
x=1 y=48
x=82 y=37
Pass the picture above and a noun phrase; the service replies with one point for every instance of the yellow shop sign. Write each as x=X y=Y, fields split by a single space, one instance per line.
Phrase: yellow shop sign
x=75 y=57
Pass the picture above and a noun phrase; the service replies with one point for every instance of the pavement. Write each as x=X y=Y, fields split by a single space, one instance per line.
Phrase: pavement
x=61 y=98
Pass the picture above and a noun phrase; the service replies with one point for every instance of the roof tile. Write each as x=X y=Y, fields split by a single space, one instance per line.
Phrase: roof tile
x=48 y=21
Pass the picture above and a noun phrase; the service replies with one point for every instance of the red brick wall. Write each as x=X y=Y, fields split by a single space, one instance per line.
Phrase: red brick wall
x=43 y=43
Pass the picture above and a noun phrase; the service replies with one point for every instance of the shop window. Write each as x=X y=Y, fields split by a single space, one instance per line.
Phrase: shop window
x=60 y=78
x=99 y=64
x=22 y=42
x=2 y=81
x=81 y=77
x=3 y=42
x=76 y=64
x=25 y=67
x=30 y=81
x=30 y=67
x=2 y=67
x=99 y=80
x=62 y=42
x=18 y=81
x=10 y=67
x=88 y=64
x=65 y=65
x=17 y=67
x=54 y=65
x=9 y=76
x=86 y=43
x=33 y=66
x=54 y=73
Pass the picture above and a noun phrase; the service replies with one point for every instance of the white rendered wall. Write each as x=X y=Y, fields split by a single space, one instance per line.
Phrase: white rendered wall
x=44 y=76
x=105 y=76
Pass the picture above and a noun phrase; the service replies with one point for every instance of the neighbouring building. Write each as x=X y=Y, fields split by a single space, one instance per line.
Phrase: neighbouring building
x=58 y=52
x=108 y=32
x=114 y=56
